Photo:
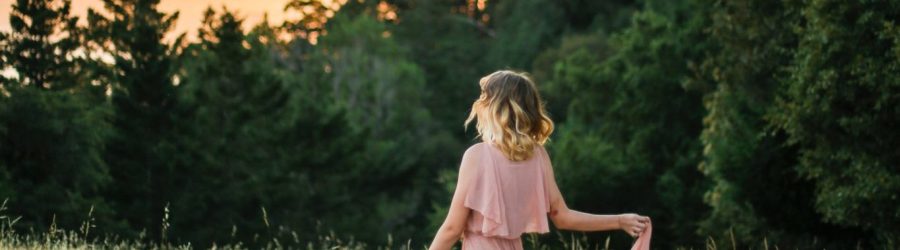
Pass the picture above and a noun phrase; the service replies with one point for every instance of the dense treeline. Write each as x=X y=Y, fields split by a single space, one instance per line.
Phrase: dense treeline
x=758 y=121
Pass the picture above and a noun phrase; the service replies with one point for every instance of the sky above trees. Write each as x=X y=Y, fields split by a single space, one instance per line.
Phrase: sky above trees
x=190 y=12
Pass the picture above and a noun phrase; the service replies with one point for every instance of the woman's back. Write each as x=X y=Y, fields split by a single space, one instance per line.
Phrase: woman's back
x=505 y=185
x=507 y=198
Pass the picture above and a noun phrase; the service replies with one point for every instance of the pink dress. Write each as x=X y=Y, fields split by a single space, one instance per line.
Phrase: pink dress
x=507 y=199
x=510 y=198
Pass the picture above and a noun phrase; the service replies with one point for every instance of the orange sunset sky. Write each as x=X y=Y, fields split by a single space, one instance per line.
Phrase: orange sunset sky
x=191 y=11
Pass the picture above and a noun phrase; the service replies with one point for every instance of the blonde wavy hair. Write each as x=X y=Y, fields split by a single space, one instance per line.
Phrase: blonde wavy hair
x=510 y=114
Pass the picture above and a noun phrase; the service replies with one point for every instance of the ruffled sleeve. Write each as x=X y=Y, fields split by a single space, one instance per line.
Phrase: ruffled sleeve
x=485 y=195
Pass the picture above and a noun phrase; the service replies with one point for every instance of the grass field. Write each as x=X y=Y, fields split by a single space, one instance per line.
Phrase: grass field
x=63 y=239
x=75 y=240
x=56 y=238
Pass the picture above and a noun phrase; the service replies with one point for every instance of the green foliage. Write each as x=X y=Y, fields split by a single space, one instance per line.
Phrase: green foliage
x=757 y=193
x=449 y=47
x=143 y=96
x=736 y=146
x=630 y=123
x=4 y=42
x=840 y=107
x=604 y=16
x=520 y=36
x=369 y=75
x=52 y=152
x=564 y=72
x=726 y=122
x=53 y=136
x=235 y=107
x=42 y=42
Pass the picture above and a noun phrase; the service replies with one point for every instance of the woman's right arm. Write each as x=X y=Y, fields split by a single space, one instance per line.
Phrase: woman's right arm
x=568 y=219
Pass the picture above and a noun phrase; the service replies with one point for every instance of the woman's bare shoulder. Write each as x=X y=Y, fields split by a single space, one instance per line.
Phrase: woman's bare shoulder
x=471 y=162
x=544 y=155
x=474 y=152
x=476 y=146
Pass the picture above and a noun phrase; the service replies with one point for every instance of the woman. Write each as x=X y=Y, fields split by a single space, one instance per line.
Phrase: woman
x=506 y=185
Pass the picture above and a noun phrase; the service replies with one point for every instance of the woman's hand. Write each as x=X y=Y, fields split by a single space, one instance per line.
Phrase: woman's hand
x=633 y=224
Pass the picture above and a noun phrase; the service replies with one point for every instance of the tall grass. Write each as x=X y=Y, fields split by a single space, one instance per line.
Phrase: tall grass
x=56 y=238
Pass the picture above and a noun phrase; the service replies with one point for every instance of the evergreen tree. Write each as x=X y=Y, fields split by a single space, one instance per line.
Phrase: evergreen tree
x=370 y=76
x=42 y=42
x=256 y=130
x=756 y=192
x=52 y=136
x=447 y=40
x=525 y=28
x=840 y=108
x=630 y=124
x=314 y=14
x=449 y=46
x=520 y=36
x=140 y=76
x=563 y=72
x=3 y=64
x=217 y=113
x=51 y=153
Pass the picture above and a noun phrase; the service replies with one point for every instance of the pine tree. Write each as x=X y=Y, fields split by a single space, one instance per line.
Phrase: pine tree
x=52 y=135
x=143 y=98
x=235 y=102
x=370 y=76
x=4 y=43
x=42 y=40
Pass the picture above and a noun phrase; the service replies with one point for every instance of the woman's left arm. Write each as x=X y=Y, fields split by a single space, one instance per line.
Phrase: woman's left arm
x=455 y=222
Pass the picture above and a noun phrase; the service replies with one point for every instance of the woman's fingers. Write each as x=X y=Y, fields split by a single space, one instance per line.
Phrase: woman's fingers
x=639 y=220
x=635 y=224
